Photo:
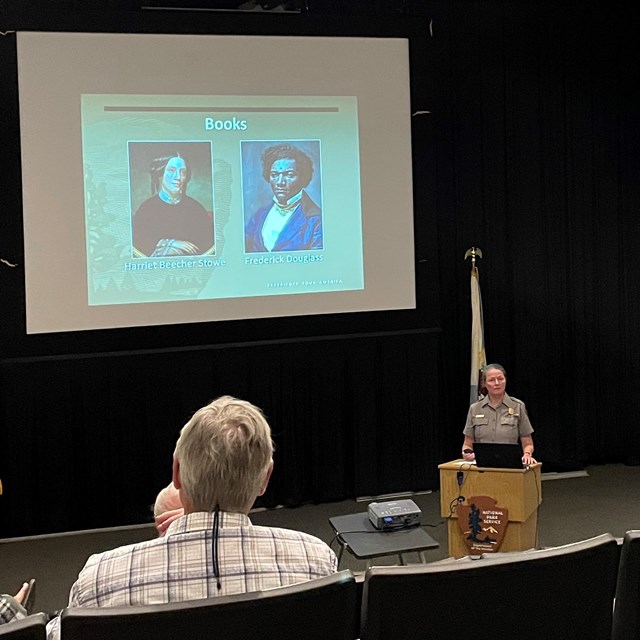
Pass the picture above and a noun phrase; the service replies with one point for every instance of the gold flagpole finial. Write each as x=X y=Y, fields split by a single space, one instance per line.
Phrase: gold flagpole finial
x=474 y=252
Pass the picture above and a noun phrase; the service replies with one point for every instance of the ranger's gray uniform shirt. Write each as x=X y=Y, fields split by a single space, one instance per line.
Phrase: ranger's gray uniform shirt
x=506 y=424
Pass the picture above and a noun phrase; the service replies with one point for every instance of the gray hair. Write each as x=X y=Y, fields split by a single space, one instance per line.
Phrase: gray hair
x=224 y=453
x=167 y=500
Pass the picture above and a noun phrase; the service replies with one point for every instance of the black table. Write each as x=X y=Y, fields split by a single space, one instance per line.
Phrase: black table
x=356 y=534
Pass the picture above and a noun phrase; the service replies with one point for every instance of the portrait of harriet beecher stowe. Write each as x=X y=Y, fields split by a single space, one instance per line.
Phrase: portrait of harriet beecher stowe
x=171 y=199
x=281 y=194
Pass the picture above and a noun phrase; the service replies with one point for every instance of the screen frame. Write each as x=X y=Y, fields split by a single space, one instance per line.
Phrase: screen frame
x=228 y=331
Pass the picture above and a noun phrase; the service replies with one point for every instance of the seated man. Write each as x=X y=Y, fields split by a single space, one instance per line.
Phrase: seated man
x=222 y=462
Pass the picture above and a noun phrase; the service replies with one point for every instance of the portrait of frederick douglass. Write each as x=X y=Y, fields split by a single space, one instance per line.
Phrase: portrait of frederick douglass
x=290 y=219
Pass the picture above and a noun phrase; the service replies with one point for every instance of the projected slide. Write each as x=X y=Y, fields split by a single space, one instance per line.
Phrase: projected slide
x=204 y=182
x=209 y=197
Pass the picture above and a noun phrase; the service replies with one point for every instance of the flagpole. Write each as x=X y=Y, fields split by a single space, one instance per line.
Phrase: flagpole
x=478 y=355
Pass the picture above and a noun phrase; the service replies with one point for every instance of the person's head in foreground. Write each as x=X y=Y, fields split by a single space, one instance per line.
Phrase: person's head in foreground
x=223 y=458
x=167 y=500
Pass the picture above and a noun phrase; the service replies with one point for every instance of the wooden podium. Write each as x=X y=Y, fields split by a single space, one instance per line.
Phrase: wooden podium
x=518 y=490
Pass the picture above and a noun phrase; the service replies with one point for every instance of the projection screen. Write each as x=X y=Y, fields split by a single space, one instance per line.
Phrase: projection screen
x=174 y=178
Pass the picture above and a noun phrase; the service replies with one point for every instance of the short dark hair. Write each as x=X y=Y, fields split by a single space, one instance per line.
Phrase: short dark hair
x=304 y=164
x=157 y=167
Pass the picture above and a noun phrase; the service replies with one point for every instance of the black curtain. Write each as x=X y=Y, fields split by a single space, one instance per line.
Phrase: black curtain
x=528 y=151
x=536 y=131
x=88 y=441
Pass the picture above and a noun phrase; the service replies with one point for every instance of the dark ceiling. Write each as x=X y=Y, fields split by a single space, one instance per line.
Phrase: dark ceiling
x=335 y=7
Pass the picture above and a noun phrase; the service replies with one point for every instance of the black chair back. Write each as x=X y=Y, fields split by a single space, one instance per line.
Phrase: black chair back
x=559 y=593
x=626 y=614
x=30 y=628
x=320 y=609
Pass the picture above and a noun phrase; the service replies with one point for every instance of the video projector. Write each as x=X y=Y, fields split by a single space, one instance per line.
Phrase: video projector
x=398 y=514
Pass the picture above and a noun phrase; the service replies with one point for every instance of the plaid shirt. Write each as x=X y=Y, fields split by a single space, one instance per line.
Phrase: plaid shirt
x=179 y=566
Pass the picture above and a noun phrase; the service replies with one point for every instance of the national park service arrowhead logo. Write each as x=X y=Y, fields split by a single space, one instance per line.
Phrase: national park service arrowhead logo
x=483 y=524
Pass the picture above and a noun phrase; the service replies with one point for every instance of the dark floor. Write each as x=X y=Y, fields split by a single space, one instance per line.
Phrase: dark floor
x=607 y=500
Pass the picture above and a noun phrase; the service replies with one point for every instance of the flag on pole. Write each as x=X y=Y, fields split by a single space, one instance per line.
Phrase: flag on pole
x=478 y=355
